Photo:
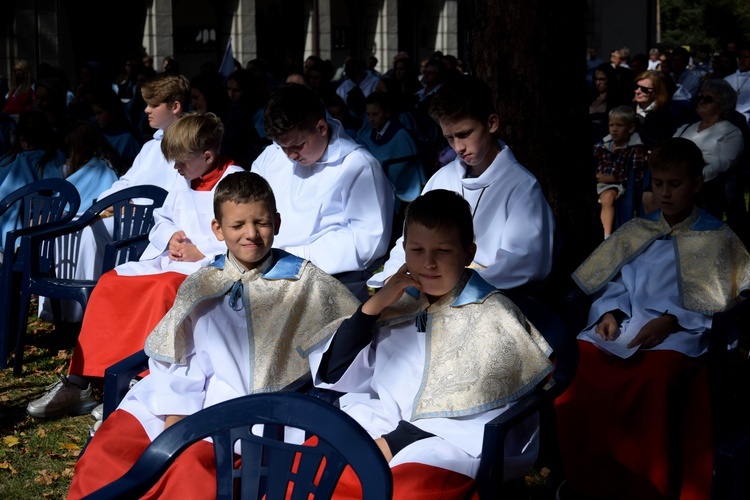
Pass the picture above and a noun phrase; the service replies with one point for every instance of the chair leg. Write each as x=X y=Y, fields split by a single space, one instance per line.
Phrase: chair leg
x=7 y=317
x=23 y=317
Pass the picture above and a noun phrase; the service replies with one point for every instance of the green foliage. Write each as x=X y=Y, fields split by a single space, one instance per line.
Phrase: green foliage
x=705 y=25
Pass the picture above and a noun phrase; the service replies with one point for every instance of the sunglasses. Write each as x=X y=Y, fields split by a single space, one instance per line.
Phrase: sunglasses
x=645 y=90
x=706 y=98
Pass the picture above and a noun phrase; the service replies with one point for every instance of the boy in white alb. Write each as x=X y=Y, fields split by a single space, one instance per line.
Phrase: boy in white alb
x=129 y=300
x=337 y=202
x=512 y=219
x=420 y=345
x=242 y=325
x=167 y=98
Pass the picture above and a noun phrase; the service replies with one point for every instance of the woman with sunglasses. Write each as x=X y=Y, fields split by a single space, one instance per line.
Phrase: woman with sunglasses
x=719 y=140
x=651 y=101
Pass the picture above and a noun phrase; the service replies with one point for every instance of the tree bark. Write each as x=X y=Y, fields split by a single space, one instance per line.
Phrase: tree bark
x=532 y=54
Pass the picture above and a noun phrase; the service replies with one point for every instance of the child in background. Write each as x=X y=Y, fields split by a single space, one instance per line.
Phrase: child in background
x=636 y=422
x=621 y=154
x=419 y=346
x=336 y=200
x=199 y=352
x=512 y=219
x=128 y=301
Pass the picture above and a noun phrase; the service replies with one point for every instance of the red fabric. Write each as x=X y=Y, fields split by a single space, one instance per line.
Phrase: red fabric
x=18 y=102
x=117 y=445
x=411 y=481
x=121 y=312
x=637 y=427
x=207 y=181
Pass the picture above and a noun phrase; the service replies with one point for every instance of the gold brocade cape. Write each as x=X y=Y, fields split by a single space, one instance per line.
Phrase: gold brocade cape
x=291 y=307
x=713 y=266
x=480 y=351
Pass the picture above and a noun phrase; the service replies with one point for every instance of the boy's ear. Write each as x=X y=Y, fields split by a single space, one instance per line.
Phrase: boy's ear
x=216 y=228
x=698 y=184
x=470 y=253
x=631 y=129
x=276 y=223
x=177 y=108
x=209 y=156
x=493 y=123
x=322 y=127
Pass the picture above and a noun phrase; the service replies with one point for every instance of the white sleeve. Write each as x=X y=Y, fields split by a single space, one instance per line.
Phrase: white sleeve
x=723 y=154
x=164 y=226
x=364 y=233
x=614 y=296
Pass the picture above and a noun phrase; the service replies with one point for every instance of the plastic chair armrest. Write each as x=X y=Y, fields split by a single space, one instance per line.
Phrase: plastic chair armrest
x=117 y=379
x=111 y=249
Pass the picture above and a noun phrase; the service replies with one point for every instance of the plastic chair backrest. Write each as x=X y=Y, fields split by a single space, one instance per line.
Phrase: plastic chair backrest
x=267 y=464
x=36 y=207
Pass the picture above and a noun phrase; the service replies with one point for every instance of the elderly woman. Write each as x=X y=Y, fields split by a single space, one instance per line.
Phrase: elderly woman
x=721 y=143
x=651 y=100
x=719 y=140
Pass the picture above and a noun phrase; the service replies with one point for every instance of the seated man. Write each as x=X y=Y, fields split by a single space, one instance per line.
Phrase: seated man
x=636 y=421
x=130 y=299
x=336 y=201
x=421 y=345
x=200 y=352
x=512 y=219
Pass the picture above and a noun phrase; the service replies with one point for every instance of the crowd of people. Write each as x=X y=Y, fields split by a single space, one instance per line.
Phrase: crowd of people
x=391 y=200
x=673 y=96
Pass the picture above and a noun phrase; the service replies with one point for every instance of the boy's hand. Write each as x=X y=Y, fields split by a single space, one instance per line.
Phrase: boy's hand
x=180 y=248
x=391 y=292
x=653 y=333
x=607 y=327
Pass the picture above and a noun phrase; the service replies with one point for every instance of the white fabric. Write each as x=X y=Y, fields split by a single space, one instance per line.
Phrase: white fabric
x=513 y=222
x=721 y=145
x=741 y=83
x=218 y=369
x=645 y=289
x=337 y=212
x=149 y=168
x=393 y=376
x=367 y=86
x=187 y=210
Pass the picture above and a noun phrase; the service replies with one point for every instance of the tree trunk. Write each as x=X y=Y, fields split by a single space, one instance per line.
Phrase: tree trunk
x=532 y=54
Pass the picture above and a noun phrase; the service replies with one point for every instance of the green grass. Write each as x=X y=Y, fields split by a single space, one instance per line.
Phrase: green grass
x=37 y=456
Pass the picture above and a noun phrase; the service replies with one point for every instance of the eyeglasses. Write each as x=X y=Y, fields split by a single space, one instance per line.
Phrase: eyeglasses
x=706 y=98
x=645 y=90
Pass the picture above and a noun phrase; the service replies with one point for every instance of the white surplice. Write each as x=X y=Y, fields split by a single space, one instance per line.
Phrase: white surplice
x=513 y=222
x=337 y=212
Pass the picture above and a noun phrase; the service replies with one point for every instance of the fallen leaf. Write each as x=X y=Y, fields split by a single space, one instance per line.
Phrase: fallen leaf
x=67 y=473
x=6 y=465
x=10 y=441
x=69 y=446
x=46 y=478
x=544 y=472
x=41 y=432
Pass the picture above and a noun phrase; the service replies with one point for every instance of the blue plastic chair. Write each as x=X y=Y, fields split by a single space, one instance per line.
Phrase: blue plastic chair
x=559 y=334
x=41 y=205
x=132 y=224
x=266 y=469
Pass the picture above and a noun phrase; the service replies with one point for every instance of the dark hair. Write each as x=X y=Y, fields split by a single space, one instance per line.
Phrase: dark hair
x=382 y=99
x=441 y=209
x=243 y=187
x=677 y=152
x=292 y=106
x=464 y=96
x=85 y=141
x=34 y=128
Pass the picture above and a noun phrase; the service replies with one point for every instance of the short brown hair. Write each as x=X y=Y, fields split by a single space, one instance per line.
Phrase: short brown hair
x=167 y=88
x=192 y=133
x=463 y=96
x=292 y=106
x=243 y=187
x=677 y=152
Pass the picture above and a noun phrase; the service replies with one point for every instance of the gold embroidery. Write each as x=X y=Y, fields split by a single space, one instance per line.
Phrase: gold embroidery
x=713 y=265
